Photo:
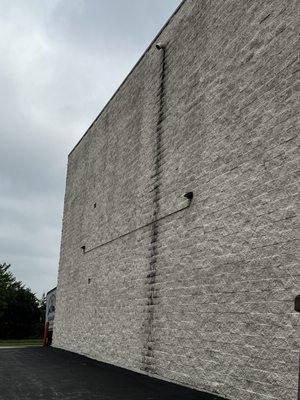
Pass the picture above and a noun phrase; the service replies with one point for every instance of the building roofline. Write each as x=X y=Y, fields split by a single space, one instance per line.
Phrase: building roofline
x=52 y=290
x=129 y=74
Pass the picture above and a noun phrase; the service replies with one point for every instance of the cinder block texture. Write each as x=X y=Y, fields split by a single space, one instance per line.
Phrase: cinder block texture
x=202 y=293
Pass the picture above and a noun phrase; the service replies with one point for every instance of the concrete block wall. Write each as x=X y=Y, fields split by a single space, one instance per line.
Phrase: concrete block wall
x=199 y=293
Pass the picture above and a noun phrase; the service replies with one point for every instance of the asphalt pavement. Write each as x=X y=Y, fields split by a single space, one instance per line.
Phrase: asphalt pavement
x=37 y=373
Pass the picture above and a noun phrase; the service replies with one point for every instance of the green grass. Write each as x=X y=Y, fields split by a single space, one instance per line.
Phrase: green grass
x=21 y=342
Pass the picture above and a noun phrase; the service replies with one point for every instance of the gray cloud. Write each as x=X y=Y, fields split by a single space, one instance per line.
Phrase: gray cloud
x=60 y=62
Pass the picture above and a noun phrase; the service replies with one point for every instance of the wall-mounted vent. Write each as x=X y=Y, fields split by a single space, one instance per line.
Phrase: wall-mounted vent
x=189 y=195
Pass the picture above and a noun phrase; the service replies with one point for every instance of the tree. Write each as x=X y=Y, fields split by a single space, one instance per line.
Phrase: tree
x=19 y=308
x=7 y=285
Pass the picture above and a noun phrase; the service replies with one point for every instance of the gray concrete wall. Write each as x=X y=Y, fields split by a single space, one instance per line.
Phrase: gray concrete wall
x=204 y=294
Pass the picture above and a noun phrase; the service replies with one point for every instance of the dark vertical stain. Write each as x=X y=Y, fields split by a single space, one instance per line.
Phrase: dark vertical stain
x=152 y=294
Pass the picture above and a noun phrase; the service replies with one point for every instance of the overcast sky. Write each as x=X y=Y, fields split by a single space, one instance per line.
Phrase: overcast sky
x=60 y=62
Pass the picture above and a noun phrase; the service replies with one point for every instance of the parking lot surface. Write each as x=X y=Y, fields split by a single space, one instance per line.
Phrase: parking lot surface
x=37 y=373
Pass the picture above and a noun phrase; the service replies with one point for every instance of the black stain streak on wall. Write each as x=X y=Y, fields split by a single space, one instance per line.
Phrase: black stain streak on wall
x=152 y=291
